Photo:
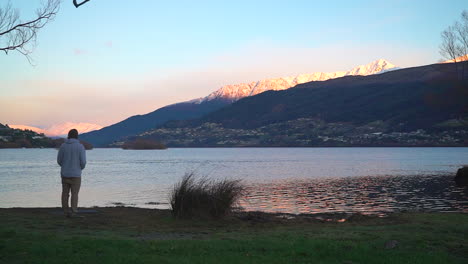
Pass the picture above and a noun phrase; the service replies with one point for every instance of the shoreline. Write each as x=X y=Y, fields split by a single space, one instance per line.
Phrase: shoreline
x=338 y=217
x=230 y=147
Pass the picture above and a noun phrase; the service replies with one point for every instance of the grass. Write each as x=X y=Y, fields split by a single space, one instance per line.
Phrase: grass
x=132 y=235
x=202 y=197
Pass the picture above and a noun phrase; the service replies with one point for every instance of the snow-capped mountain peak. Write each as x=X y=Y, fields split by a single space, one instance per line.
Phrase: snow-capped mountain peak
x=235 y=92
x=61 y=130
x=375 y=67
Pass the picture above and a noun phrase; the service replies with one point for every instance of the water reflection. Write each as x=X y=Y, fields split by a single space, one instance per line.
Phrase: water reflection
x=376 y=195
x=114 y=177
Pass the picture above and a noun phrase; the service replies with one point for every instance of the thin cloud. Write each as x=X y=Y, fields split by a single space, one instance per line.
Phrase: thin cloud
x=79 y=52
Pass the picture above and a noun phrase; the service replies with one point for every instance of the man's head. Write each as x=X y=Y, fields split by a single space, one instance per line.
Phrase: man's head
x=73 y=133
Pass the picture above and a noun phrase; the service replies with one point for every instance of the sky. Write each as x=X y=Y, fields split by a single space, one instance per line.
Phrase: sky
x=109 y=60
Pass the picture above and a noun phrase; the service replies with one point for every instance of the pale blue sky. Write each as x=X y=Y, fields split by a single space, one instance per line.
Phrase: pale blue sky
x=111 y=59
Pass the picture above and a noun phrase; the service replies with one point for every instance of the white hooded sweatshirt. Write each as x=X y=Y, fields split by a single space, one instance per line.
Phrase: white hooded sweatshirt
x=72 y=158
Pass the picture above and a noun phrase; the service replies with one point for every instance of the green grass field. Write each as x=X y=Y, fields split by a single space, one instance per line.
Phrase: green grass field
x=132 y=235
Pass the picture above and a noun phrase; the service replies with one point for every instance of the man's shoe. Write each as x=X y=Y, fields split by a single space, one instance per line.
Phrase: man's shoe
x=75 y=215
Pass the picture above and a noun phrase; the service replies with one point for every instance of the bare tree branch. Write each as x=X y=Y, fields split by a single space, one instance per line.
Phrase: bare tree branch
x=461 y=30
x=76 y=4
x=16 y=35
x=454 y=45
x=449 y=48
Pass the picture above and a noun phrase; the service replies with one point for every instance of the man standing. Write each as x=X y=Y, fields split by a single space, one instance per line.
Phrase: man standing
x=72 y=160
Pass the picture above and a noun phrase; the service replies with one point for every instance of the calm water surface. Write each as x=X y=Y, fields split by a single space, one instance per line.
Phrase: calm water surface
x=290 y=180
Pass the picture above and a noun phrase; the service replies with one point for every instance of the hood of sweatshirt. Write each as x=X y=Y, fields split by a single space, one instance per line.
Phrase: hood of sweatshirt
x=72 y=141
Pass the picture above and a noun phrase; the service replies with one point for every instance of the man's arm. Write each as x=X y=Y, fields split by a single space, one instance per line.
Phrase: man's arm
x=60 y=156
x=82 y=157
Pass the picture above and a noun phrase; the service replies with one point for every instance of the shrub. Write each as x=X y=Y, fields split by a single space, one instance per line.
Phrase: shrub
x=202 y=197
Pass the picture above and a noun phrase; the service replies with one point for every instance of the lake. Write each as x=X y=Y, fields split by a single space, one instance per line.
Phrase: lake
x=287 y=180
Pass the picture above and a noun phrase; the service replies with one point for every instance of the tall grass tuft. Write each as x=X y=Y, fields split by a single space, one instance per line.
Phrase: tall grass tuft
x=202 y=197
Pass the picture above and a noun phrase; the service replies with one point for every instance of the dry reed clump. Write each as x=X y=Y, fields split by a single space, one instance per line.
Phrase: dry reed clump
x=202 y=197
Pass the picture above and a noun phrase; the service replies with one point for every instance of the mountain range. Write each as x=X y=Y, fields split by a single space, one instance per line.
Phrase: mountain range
x=420 y=106
x=220 y=98
x=418 y=97
x=238 y=91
